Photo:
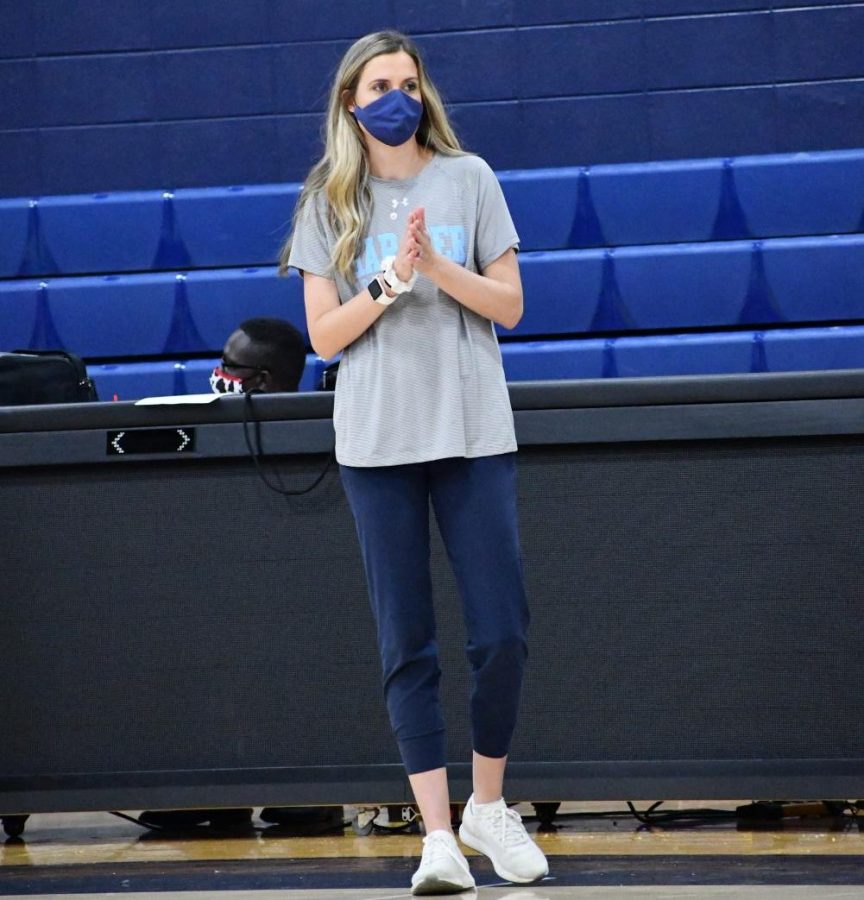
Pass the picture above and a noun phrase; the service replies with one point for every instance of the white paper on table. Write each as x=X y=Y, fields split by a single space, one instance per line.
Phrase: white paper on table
x=178 y=400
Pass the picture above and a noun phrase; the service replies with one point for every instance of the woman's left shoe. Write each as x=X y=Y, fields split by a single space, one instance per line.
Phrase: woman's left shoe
x=498 y=832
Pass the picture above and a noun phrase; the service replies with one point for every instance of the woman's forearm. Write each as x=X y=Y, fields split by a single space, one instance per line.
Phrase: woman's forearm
x=333 y=331
x=496 y=300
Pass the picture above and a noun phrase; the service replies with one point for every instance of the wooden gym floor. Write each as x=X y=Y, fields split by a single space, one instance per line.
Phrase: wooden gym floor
x=97 y=855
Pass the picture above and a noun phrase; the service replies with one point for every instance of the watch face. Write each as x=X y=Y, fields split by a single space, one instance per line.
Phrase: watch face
x=375 y=288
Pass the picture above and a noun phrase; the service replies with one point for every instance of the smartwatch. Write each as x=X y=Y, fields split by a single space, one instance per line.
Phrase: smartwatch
x=376 y=290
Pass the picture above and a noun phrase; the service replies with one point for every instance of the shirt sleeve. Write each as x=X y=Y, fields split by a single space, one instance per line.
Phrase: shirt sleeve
x=496 y=232
x=311 y=243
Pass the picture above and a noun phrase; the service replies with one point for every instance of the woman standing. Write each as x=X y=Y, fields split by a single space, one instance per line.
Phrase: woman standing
x=407 y=250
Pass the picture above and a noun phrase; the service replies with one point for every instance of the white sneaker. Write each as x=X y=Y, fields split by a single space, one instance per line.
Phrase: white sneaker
x=443 y=868
x=498 y=832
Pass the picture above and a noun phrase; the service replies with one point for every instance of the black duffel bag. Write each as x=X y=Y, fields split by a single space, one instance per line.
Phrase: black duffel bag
x=43 y=376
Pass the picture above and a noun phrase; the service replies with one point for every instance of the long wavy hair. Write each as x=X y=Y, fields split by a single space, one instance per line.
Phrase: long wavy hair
x=342 y=173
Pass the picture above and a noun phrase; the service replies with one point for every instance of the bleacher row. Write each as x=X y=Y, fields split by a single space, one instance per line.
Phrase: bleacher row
x=686 y=267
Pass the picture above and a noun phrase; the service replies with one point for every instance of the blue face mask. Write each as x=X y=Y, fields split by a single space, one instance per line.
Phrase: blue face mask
x=393 y=118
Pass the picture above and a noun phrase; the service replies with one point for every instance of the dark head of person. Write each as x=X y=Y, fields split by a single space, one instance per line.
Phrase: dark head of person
x=263 y=355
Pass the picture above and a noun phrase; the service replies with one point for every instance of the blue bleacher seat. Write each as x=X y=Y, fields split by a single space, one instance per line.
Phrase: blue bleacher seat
x=23 y=310
x=717 y=353
x=683 y=286
x=682 y=201
x=145 y=230
x=79 y=234
x=803 y=193
x=672 y=202
x=679 y=286
x=14 y=250
x=241 y=225
x=145 y=315
x=561 y=291
x=569 y=292
x=817 y=278
x=683 y=354
x=688 y=200
x=553 y=360
x=813 y=349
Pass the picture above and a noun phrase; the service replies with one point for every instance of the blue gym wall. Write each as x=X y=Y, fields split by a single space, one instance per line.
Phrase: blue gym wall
x=103 y=95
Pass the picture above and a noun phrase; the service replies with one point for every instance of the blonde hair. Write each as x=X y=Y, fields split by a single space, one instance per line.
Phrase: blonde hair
x=342 y=173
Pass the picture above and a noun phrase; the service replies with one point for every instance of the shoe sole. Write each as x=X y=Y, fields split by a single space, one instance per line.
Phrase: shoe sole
x=477 y=844
x=439 y=886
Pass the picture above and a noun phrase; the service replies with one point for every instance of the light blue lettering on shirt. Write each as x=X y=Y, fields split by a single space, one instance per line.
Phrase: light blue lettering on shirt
x=438 y=233
x=448 y=240
x=457 y=243
x=377 y=248
x=370 y=259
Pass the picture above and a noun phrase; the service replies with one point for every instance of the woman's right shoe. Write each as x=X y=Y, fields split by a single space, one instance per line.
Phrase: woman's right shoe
x=443 y=868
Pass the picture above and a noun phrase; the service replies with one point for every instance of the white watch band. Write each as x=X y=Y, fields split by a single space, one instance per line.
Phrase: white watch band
x=393 y=281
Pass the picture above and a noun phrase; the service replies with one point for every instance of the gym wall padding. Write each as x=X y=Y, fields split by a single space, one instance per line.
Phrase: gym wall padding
x=687 y=552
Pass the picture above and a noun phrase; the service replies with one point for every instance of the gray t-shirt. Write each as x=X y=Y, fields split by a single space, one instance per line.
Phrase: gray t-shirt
x=425 y=381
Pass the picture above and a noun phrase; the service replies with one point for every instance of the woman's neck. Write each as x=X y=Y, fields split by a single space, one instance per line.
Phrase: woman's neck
x=396 y=163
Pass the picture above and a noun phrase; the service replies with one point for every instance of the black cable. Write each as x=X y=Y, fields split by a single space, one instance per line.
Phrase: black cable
x=852 y=811
x=255 y=828
x=403 y=828
x=258 y=455
x=136 y=821
x=649 y=816
x=605 y=814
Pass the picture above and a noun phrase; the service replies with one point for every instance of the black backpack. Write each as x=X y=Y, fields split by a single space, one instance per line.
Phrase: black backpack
x=43 y=376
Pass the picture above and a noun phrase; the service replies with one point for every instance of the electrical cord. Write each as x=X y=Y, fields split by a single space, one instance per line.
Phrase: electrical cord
x=651 y=817
x=852 y=811
x=136 y=821
x=255 y=828
x=258 y=454
x=648 y=817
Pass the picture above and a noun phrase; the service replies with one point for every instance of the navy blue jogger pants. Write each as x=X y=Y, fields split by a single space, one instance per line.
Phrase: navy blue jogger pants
x=475 y=507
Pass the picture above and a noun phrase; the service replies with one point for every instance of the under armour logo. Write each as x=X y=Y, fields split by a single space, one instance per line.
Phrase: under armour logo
x=396 y=204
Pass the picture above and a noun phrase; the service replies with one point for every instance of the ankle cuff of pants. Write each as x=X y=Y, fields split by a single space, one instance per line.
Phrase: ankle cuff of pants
x=424 y=752
x=493 y=750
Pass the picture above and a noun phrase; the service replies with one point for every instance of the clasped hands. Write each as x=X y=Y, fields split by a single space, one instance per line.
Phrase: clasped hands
x=416 y=250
